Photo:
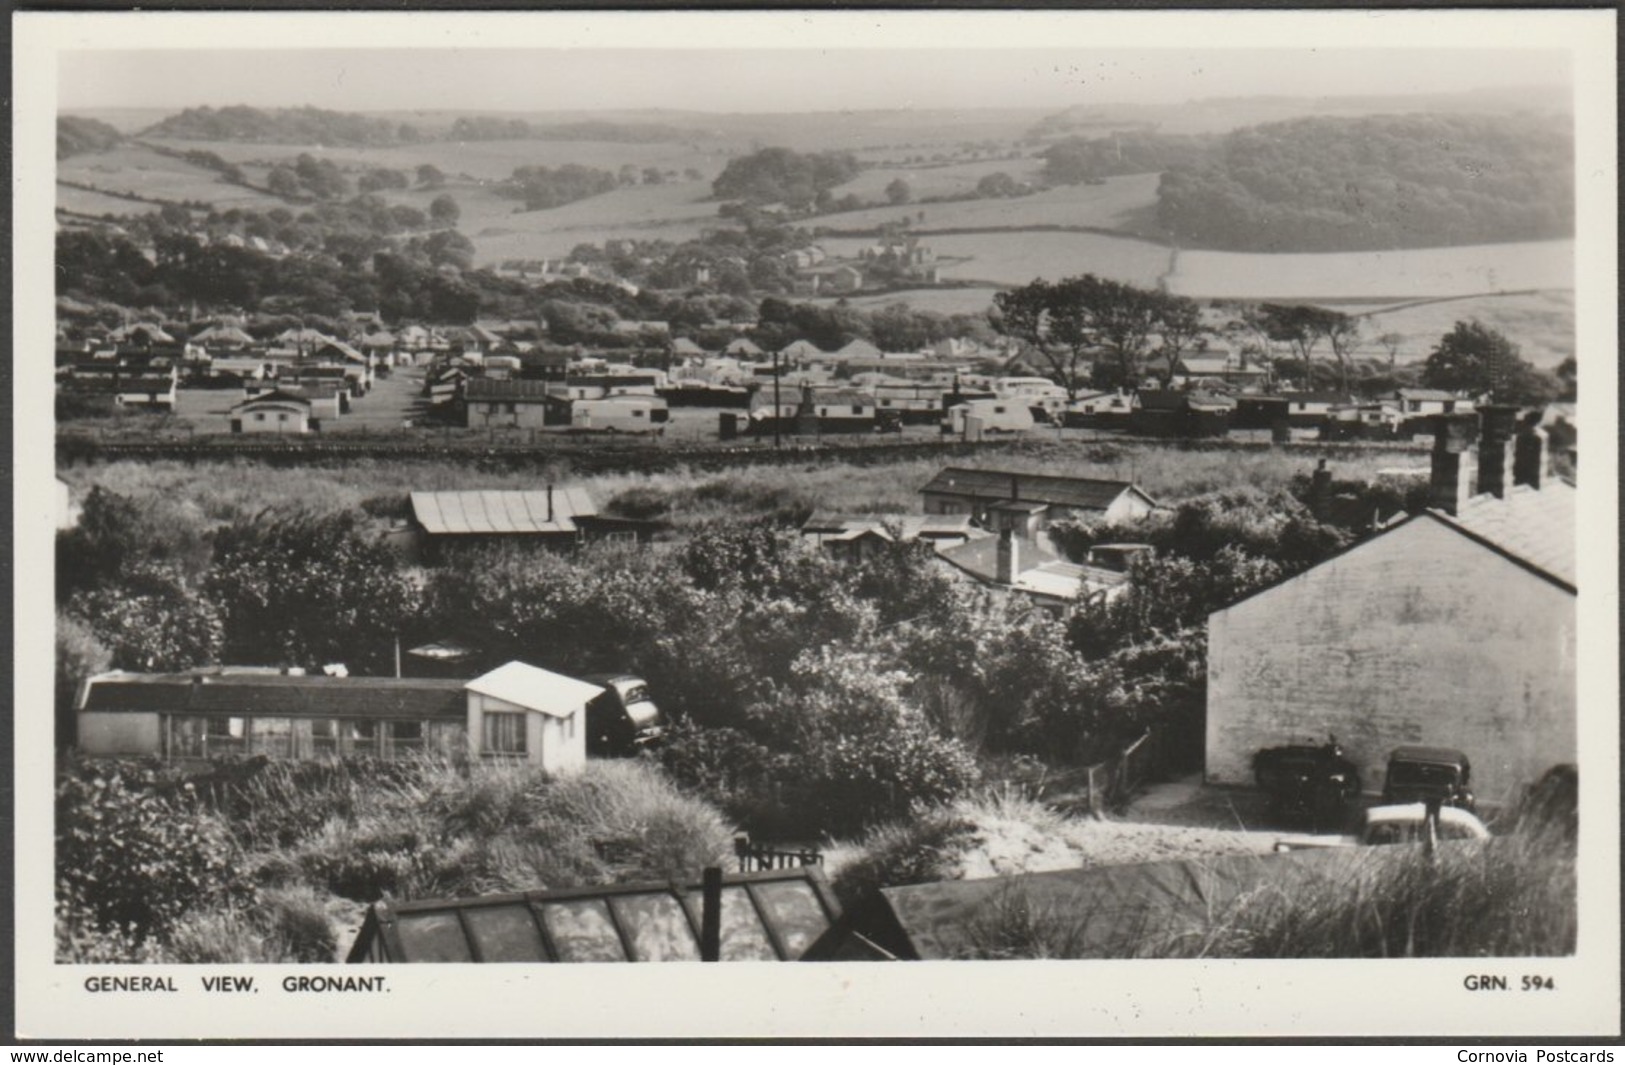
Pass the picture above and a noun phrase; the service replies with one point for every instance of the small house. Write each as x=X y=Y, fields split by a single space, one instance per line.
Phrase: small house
x=275 y=411
x=488 y=402
x=962 y=490
x=552 y=517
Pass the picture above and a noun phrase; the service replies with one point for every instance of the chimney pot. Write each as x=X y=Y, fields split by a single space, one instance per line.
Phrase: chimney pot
x=1009 y=557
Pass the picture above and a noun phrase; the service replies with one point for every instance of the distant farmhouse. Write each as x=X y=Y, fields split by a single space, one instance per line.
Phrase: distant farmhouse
x=1454 y=628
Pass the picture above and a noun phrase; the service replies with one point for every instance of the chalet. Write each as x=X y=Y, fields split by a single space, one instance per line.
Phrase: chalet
x=1014 y=562
x=1425 y=402
x=960 y=490
x=857 y=536
x=1311 y=408
x=488 y=402
x=742 y=347
x=327 y=399
x=683 y=347
x=764 y=916
x=1165 y=412
x=1455 y=628
x=223 y=337
x=146 y=391
x=858 y=349
x=843 y=410
x=799 y=351
x=620 y=413
x=276 y=411
x=517 y=711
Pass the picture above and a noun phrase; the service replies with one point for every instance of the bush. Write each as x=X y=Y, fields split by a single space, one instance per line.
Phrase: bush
x=918 y=849
x=132 y=860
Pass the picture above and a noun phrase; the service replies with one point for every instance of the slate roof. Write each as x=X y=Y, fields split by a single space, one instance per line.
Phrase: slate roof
x=495 y=513
x=1080 y=492
x=511 y=391
x=1535 y=527
x=276 y=695
x=770 y=916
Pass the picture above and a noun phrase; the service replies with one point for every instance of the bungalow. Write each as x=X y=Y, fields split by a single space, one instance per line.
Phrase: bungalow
x=517 y=711
x=487 y=402
x=1454 y=628
x=1311 y=408
x=960 y=490
x=276 y=411
x=327 y=399
x=857 y=536
x=798 y=351
x=1425 y=402
x=858 y=349
x=742 y=347
x=843 y=410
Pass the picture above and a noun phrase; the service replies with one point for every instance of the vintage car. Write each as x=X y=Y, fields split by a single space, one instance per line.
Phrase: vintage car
x=1312 y=783
x=623 y=720
x=1420 y=774
x=1405 y=823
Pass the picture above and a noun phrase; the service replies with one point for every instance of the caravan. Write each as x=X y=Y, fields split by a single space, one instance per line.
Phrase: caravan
x=619 y=414
x=975 y=417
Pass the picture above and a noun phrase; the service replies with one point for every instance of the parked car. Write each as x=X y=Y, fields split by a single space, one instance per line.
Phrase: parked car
x=1404 y=823
x=1312 y=783
x=623 y=720
x=1420 y=774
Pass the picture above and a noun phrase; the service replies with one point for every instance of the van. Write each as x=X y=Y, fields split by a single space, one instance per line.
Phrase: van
x=993 y=416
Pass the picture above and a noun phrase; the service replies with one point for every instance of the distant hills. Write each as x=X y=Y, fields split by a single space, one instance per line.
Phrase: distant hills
x=75 y=136
x=286 y=125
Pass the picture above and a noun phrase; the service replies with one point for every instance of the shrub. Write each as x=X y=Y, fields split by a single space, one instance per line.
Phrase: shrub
x=640 y=502
x=917 y=849
x=132 y=860
x=297 y=919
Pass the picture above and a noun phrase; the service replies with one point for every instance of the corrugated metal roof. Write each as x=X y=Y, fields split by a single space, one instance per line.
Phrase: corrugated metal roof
x=502 y=513
x=274 y=694
x=536 y=689
x=771 y=916
x=1536 y=527
x=1080 y=492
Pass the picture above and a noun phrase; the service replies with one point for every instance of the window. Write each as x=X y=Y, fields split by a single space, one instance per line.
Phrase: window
x=637 y=414
x=259 y=417
x=402 y=738
x=510 y=408
x=504 y=732
x=324 y=737
x=272 y=736
x=360 y=737
x=281 y=417
x=856 y=409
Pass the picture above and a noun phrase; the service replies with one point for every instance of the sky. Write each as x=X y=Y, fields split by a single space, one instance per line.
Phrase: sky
x=769 y=79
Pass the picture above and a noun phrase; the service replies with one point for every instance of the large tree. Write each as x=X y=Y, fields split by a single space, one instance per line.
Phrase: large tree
x=1477 y=359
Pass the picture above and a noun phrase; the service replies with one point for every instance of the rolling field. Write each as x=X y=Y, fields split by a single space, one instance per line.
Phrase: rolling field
x=1541 y=323
x=95 y=203
x=940 y=300
x=955 y=179
x=132 y=168
x=1378 y=275
x=1118 y=204
x=480 y=160
x=1017 y=258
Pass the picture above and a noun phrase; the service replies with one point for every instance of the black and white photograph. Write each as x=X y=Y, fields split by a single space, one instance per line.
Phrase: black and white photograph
x=1092 y=497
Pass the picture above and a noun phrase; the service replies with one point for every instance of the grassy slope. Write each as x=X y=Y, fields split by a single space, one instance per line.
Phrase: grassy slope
x=132 y=168
x=226 y=490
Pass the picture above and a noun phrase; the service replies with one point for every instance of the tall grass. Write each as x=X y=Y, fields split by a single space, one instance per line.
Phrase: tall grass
x=224 y=491
x=1514 y=897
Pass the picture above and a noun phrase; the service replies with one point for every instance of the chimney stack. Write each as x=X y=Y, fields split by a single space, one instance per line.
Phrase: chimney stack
x=549 y=502
x=1009 y=563
x=1320 y=490
x=1529 y=457
x=1495 y=450
x=1452 y=461
x=1015 y=488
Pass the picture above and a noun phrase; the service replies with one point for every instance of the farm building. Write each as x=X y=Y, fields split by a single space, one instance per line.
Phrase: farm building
x=276 y=411
x=960 y=490
x=517 y=711
x=766 y=916
x=857 y=536
x=1455 y=628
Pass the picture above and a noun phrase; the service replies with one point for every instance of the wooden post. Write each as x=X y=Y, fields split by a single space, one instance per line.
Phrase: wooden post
x=711 y=914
